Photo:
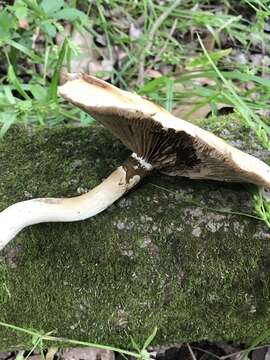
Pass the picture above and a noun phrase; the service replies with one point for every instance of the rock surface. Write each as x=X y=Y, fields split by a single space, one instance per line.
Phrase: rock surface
x=172 y=252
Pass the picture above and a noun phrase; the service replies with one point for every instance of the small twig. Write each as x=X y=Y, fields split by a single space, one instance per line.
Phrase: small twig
x=225 y=357
x=191 y=352
x=206 y=352
x=151 y=36
x=242 y=351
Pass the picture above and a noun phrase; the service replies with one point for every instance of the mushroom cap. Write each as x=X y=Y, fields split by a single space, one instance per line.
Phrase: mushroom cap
x=167 y=143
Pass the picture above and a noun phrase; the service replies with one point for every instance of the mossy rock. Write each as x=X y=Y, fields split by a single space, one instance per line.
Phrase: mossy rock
x=172 y=252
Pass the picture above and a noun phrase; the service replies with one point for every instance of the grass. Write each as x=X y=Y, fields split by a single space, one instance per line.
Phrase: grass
x=39 y=340
x=29 y=76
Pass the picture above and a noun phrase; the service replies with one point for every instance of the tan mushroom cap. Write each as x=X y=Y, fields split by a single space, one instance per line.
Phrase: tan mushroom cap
x=165 y=142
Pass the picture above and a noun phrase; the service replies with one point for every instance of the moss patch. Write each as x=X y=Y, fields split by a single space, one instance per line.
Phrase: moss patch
x=153 y=258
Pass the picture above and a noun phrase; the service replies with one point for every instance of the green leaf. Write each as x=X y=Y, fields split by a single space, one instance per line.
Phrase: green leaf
x=153 y=85
x=51 y=6
x=19 y=357
x=39 y=92
x=9 y=96
x=36 y=339
x=246 y=77
x=202 y=60
x=169 y=94
x=52 y=94
x=32 y=4
x=20 y=10
x=48 y=28
x=24 y=50
x=145 y=355
x=150 y=338
x=14 y=80
x=8 y=120
x=70 y=14
x=135 y=345
x=86 y=119
x=6 y=25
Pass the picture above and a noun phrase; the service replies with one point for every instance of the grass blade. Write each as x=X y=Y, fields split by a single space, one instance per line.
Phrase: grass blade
x=52 y=94
x=169 y=94
x=24 y=50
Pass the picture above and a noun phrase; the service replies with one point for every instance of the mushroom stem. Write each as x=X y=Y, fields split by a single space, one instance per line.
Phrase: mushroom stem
x=22 y=214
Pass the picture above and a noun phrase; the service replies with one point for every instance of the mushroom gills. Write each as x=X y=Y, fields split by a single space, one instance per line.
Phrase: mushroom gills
x=172 y=145
x=25 y=213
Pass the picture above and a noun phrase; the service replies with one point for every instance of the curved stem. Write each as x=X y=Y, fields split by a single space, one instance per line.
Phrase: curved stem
x=29 y=212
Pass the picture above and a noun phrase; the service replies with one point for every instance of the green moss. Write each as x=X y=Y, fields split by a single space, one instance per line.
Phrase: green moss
x=153 y=258
x=4 y=285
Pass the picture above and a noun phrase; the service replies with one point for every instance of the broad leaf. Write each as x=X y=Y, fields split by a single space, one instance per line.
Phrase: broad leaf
x=5 y=25
x=70 y=14
x=20 y=10
x=39 y=92
x=48 y=28
x=51 y=6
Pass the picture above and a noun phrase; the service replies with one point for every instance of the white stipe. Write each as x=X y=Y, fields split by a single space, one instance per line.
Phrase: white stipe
x=29 y=212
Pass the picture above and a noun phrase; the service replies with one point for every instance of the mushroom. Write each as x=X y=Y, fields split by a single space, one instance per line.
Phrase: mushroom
x=158 y=140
